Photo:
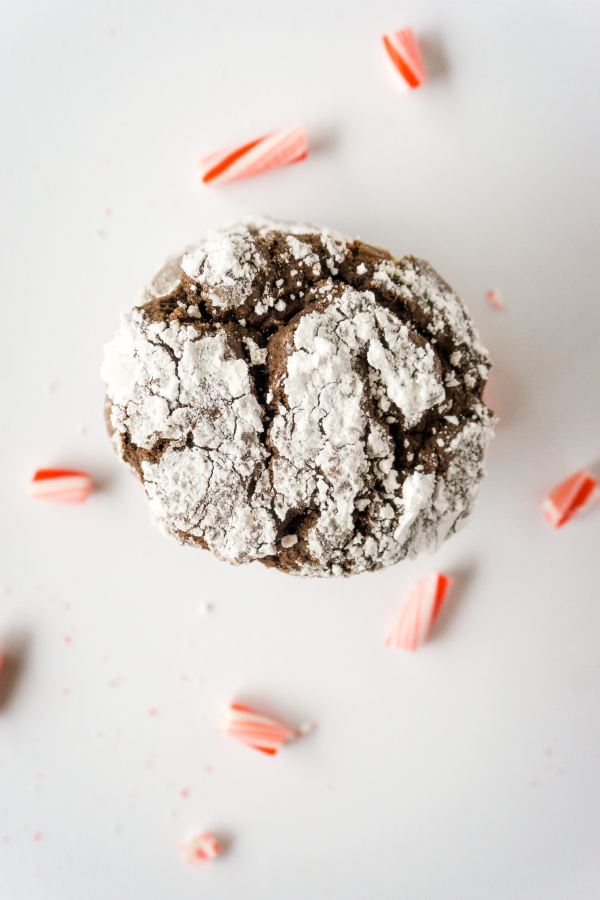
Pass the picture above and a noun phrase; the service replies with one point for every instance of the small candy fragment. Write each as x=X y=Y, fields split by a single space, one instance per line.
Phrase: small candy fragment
x=199 y=848
x=568 y=498
x=405 y=62
x=306 y=728
x=280 y=148
x=421 y=608
x=254 y=729
x=60 y=486
x=494 y=298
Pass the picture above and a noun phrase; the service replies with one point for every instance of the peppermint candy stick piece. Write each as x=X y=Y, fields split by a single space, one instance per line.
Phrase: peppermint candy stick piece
x=568 y=498
x=60 y=486
x=421 y=609
x=280 y=148
x=255 y=729
x=405 y=62
x=199 y=848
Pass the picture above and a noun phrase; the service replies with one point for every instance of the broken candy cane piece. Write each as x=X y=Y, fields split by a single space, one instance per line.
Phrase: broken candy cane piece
x=494 y=298
x=199 y=848
x=255 y=729
x=568 y=498
x=280 y=148
x=405 y=62
x=421 y=608
x=60 y=486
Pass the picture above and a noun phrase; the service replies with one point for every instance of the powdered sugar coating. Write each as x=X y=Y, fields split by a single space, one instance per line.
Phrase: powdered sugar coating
x=205 y=408
x=291 y=398
x=327 y=443
x=227 y=264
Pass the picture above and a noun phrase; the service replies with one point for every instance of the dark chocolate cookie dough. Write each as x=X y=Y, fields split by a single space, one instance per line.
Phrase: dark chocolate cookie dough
x=290 y=396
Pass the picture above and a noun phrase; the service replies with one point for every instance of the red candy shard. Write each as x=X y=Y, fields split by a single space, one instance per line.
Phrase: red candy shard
x=279 y=148
x=403 y=55
x=421 y=609
x=60 y=486
x=494 y=298
x=255 y=729
x=199 y=848
x=568 y=498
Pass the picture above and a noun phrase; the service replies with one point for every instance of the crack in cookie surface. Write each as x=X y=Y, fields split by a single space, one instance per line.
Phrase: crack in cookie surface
x=290 y=396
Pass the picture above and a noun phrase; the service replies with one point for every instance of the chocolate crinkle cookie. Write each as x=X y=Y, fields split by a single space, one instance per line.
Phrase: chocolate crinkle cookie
x=288 y=395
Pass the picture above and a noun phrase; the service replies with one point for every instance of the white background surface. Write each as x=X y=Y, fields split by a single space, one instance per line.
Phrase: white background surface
x=466 y=771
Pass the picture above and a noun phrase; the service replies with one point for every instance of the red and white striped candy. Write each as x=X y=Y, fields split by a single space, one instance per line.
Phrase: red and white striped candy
x=199 y=848
x=60 y=486
x=568 y=498
x=254 y=729
x=421 y=608
x=280 y=148
x=405 y=62
x=494 y=298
